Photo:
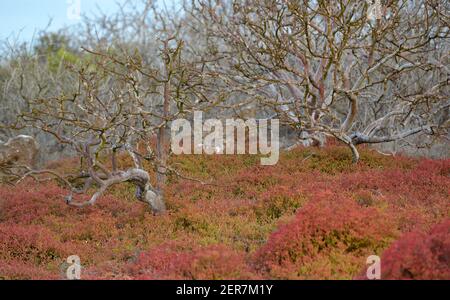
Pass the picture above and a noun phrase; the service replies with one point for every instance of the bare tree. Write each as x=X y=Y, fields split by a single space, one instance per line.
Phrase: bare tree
x=333 y=68
x=324 y=67
x=116 y=100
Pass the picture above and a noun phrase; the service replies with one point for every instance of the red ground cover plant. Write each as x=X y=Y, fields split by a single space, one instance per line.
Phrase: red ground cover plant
x=17 y=270
x=419 y=255
x=314 y=215
x=174 y=261
x=331 y=233
x=22 y=248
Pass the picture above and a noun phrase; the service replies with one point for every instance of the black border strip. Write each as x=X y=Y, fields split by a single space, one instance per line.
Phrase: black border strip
x=128 y=290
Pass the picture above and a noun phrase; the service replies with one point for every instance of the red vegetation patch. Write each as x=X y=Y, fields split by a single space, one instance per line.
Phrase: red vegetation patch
x=172 y=261
x=424 y=184
x=16 y=270
x=419 y=255
x=38 y=231
x=30 y=203
x=331 y=231
x=314 y=215
x=23 y=247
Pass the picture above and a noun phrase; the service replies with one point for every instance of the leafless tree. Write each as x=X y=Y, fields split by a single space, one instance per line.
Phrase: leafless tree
x=341 y=69
x=115 y=100
x=333 y=68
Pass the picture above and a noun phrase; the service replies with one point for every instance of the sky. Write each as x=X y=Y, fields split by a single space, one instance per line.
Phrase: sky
x=21 y=19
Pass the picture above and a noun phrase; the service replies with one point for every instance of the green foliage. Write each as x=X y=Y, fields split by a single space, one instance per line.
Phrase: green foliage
x=56 y=48
x=59 y=58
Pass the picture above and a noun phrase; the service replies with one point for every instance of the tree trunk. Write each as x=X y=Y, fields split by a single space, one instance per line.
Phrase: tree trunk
x=355 y=153
x=161 y=150
x=155 y=200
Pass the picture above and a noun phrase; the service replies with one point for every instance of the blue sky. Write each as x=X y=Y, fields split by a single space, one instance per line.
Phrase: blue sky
x=22 y=18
